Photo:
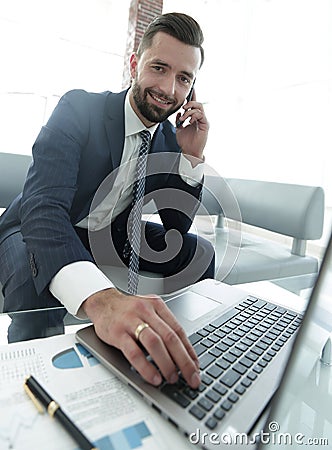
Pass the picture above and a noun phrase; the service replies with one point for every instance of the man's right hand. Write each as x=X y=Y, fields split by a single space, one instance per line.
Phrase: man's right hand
x=116 y=316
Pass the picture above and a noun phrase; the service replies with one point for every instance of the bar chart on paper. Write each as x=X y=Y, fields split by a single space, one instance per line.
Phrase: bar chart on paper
x=132 y=437
x=21 y=435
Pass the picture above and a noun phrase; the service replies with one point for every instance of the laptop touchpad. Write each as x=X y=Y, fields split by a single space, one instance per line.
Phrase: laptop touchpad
x=191 y=306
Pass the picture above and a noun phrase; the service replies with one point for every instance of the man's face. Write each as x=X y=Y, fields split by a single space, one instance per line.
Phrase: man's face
x=162 y=78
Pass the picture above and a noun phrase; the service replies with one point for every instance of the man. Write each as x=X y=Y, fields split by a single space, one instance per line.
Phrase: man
x=47 y=254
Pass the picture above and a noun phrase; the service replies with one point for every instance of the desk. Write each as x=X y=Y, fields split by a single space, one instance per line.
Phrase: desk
x=71 y=323
x=264 y=289
x=311 y=416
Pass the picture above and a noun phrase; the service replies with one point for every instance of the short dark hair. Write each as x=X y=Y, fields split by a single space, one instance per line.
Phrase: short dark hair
x=179 y=25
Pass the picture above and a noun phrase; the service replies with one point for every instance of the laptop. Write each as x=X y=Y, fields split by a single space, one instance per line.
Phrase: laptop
x=244 y=344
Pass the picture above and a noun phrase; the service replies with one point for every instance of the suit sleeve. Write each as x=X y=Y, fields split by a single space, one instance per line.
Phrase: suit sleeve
x=178 y=202
x=49 y=190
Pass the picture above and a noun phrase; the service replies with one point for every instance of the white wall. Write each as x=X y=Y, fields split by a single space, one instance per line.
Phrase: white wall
x=267 y=81
x=48 y=47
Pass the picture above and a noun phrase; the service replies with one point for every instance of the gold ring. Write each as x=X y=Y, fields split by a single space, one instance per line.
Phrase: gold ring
x=140 y=328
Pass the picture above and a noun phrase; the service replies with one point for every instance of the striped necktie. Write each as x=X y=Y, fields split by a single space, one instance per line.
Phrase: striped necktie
x=132 y=245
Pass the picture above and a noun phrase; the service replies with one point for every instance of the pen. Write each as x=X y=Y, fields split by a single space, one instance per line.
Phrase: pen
x=42 y=400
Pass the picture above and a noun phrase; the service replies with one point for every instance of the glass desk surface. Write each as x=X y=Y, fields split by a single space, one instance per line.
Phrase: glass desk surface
x=70 y=324
x=41 y=322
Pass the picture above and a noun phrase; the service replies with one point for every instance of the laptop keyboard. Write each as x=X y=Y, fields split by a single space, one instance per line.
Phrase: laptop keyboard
x=233 y=351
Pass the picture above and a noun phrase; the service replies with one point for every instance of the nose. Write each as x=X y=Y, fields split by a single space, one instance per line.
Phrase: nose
x=168 y=86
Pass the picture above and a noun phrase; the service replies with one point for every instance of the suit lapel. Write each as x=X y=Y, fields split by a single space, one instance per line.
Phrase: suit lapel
x=114 y=125
x=158 y=141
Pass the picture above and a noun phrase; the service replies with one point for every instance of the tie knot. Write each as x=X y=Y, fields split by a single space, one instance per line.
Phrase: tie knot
x=146 y=136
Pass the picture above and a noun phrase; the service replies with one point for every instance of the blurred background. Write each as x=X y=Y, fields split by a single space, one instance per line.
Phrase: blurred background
x=266 y=81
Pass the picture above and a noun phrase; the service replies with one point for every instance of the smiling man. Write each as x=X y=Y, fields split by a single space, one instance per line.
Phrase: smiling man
x=57 y=232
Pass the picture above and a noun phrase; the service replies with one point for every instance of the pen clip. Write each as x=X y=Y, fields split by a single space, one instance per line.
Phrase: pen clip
x=36 y=402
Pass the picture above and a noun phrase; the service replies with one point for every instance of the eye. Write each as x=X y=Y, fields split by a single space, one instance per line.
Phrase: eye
x=185 y=80
x=158 y=68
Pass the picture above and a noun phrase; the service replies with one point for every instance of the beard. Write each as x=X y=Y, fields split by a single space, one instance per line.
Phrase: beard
x=151 y=112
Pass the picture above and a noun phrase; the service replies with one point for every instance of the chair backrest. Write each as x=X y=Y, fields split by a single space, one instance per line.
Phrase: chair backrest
x=290 y=209
x=13 y=170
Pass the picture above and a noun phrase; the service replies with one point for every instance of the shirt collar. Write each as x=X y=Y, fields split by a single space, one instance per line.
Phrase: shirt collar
x=133 y=124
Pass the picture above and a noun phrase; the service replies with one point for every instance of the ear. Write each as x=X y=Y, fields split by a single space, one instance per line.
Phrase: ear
x=133 y=65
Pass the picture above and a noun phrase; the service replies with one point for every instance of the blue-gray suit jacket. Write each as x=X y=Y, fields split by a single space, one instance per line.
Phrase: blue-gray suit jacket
x=79 y=147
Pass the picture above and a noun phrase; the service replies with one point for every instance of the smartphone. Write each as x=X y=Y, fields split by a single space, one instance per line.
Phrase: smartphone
x=188 y=98
x=190 y=95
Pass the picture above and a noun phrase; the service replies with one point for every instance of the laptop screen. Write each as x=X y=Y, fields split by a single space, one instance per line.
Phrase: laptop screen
x=301 y=411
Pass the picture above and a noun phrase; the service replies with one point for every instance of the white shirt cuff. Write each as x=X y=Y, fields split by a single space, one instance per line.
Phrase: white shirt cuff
x=191 y=175
x=75 y=282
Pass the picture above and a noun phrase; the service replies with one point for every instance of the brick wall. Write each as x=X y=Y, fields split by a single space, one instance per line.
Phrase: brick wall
x=141 y=13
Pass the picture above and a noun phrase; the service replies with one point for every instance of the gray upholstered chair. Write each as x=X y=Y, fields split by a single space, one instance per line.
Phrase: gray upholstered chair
x=13 y=170
x=290 y=215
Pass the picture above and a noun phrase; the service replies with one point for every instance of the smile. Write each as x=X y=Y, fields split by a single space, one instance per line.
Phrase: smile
x=160 y=100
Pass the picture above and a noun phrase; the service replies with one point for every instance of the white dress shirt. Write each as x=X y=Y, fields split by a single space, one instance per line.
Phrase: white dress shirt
x=75 y=282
